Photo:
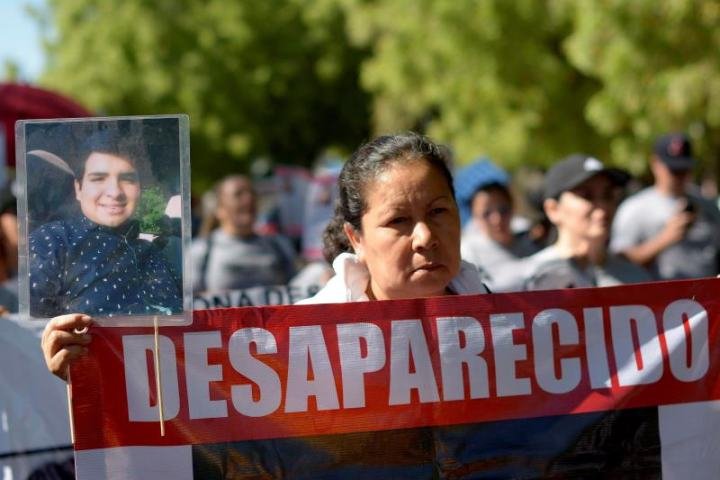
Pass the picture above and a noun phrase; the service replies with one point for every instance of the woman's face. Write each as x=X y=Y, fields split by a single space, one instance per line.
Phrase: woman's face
x=586 y=211
x=410 y=239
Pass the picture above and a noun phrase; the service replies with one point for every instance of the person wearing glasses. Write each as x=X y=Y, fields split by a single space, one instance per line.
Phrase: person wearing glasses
x=489 y=242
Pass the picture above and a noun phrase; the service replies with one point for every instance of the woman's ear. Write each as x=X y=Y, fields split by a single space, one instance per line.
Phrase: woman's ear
x=355 y=239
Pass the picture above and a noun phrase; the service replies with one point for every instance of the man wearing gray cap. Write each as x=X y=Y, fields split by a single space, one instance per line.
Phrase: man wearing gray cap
x=668 y=227
x=581 y=196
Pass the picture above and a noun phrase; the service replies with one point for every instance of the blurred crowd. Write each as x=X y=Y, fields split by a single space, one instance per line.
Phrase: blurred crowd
x=581 y=224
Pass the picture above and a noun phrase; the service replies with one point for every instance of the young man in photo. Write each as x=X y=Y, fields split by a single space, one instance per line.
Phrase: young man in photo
x=95 y=263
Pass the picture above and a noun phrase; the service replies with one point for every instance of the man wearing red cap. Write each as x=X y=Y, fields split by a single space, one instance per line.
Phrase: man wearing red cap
x=669 y=227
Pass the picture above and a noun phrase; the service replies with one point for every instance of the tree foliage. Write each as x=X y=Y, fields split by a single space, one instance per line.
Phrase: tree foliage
x=151 y=209
x=524 y=81
x=271 y=78
x=490 y=77
x=658 y=65
x=527 y=82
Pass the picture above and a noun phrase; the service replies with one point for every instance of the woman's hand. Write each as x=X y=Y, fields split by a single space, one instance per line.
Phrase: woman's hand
x=64 y=340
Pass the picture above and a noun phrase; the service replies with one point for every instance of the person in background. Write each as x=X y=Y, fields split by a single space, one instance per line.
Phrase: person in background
x=669 y=227
x=289 y=186
x=581 y=196
x=8 y=251
x=489 y=242
x=320 y=199
x=232 y=256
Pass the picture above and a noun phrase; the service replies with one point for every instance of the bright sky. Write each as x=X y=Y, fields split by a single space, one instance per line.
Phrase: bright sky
x=20 y=38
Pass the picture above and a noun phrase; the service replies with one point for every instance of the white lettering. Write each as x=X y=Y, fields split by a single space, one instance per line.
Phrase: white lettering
x=353 y=365
x=408 y=342
x=507 y=354
x=137 y=377
x=266 y=379
x=644 y=365
x=199 y=374
x=596 y=348
x=689 y=351
x=453 y=357
x=542 y=332
x=308 y=354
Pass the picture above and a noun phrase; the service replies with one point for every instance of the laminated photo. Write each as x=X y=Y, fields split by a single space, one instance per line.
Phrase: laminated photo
x=104 y=218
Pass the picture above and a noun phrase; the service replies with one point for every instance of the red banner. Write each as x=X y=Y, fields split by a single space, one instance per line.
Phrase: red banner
x=272 y=372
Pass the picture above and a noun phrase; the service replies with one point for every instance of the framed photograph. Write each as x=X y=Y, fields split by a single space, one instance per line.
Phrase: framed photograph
x=104 y=215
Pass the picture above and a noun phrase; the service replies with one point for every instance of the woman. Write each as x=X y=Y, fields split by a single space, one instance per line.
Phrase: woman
x=581 y=197
x=395 y=234
x=396 y=230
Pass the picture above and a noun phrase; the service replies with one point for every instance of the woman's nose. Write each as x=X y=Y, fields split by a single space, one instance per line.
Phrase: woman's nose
x=423 y=237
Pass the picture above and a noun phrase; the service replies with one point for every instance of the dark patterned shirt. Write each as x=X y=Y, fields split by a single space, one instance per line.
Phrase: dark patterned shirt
x=80 y=266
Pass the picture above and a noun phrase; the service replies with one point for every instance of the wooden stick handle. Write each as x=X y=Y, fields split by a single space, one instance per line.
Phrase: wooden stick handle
x=158 y=378
x=70 y=410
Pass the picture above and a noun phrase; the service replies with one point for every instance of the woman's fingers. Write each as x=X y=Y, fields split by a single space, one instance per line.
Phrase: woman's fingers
x=69 y=321
x=61 y=361
x=55 y=328
x=58 y=339
x=64 y=339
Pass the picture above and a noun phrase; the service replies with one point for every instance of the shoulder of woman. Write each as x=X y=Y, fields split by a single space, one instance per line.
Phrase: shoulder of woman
x=470 y=279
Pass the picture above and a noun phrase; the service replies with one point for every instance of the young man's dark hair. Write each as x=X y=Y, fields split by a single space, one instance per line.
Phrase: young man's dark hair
x=114 y=142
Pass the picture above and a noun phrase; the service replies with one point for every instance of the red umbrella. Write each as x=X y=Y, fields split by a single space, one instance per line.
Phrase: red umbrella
x=24 y=102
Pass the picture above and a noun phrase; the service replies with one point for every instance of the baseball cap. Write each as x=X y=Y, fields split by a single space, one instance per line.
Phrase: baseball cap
x=675 y=151
x=571 y=171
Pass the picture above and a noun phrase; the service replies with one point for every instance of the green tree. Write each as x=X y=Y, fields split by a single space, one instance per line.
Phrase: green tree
x=151 y=210
x=271 y=78
x=658 y=65
x=527 y=81
x=489 y=77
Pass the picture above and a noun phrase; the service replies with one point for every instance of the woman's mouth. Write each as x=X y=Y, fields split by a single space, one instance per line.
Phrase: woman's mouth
x=429 y=267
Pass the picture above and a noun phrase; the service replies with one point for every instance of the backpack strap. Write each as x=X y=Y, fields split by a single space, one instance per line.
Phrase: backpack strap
x=287 y=263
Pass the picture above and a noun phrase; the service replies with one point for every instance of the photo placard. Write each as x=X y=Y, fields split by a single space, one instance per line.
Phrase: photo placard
x=104 y=215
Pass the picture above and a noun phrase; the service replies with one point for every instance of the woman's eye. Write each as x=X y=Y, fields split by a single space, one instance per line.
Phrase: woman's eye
x=397 y=220
x=438 y=210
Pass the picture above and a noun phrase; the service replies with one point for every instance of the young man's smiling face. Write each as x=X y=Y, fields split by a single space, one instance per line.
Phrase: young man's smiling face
x=109 y=189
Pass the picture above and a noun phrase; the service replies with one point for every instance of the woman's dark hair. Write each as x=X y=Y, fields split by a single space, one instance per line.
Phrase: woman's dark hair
x=363 y=166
